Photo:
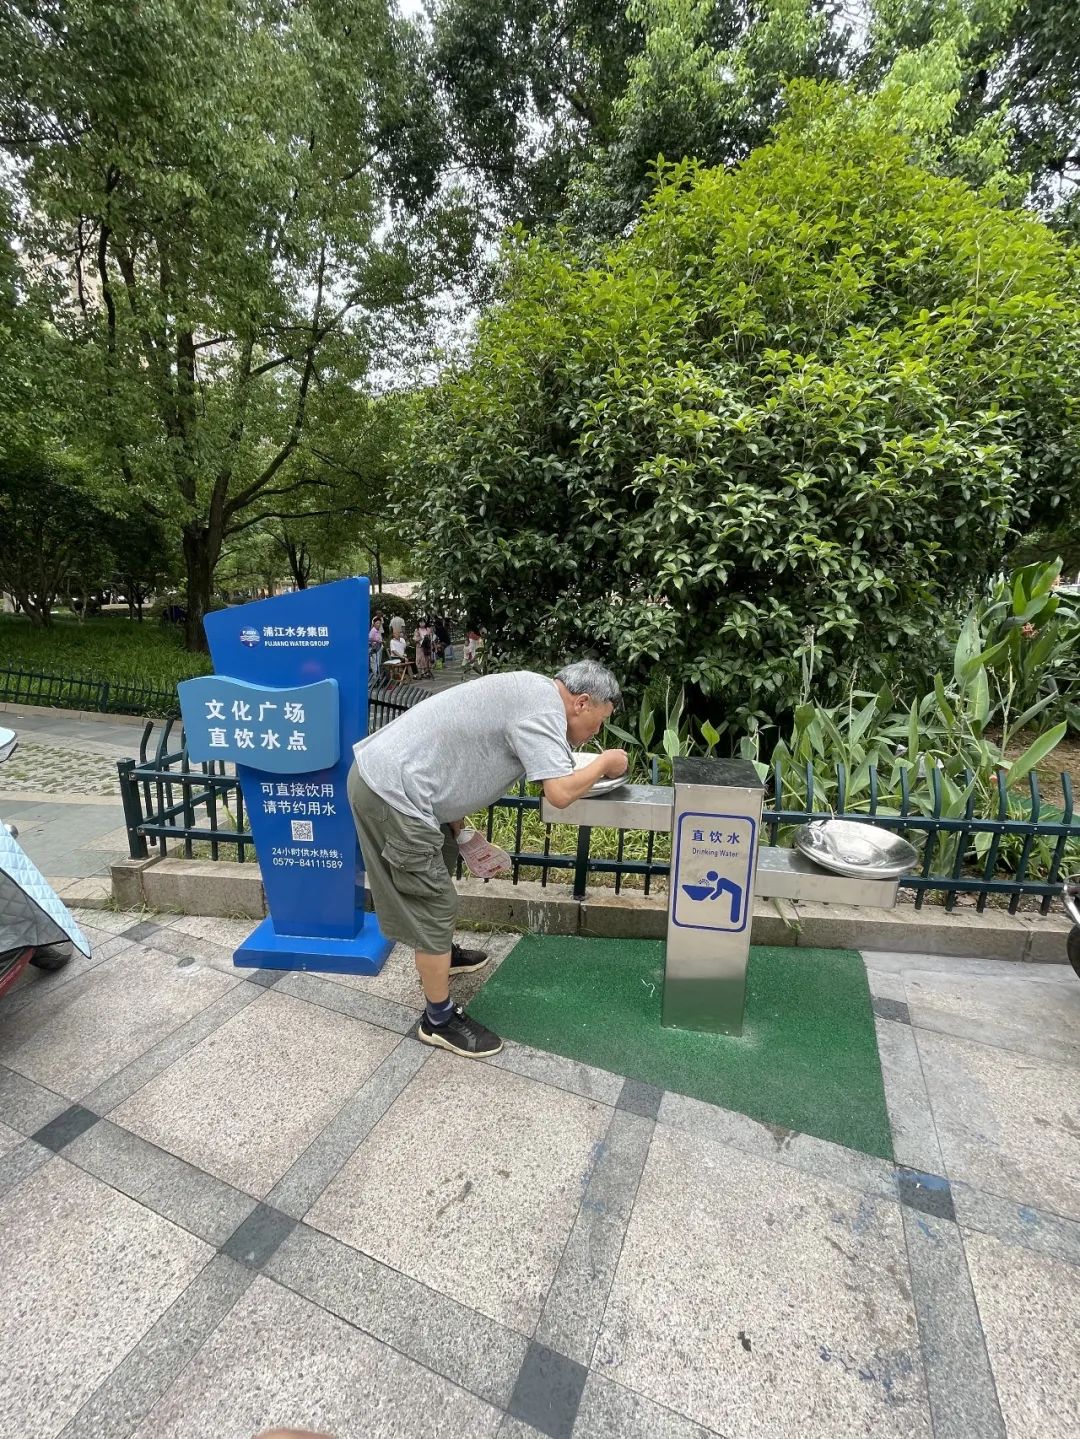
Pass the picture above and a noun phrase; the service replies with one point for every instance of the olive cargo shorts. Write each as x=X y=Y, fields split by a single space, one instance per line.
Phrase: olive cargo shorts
x=409 y=871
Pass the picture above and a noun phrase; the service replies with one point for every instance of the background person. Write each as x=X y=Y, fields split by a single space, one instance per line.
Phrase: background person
x=375 y=648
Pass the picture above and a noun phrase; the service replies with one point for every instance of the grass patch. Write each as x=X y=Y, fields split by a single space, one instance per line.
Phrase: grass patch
x=807 y=1059
x=101 y=649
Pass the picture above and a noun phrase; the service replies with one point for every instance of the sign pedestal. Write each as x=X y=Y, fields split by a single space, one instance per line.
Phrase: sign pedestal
x=286 y=705
x=714 y=840
x=264 y=948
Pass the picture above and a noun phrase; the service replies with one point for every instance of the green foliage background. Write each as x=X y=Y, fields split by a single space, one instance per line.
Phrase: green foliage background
x=805 y=402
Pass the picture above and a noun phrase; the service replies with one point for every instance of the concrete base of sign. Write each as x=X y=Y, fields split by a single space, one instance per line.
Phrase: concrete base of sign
x=364 y=953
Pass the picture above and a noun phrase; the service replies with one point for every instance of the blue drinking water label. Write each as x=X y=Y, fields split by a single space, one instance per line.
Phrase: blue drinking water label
x=712 y=870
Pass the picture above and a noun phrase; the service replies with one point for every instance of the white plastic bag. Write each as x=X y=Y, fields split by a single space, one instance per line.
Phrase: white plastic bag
x=482 y=858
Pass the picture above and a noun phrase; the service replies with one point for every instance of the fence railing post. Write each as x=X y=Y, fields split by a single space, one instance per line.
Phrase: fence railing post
x=581 y=862
x=129 y=794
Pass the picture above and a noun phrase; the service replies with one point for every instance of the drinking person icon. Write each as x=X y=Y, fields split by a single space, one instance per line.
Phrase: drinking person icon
x=713 y=888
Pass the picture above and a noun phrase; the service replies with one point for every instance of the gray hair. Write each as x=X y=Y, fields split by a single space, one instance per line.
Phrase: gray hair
x=586 y=677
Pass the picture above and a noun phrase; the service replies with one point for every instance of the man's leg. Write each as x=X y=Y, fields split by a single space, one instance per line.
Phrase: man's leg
x=415 y=901
x=434 y=971
x=462 y=961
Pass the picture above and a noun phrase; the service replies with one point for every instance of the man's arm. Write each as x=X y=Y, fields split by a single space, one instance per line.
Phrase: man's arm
x=566 y=788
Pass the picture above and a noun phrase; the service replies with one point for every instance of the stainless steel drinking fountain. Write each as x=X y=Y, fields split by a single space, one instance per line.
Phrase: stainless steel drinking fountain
x=713 y=814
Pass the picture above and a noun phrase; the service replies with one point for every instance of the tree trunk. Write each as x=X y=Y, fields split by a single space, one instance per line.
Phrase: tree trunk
x=299 y=561
x=40 y=612
x=202 y=546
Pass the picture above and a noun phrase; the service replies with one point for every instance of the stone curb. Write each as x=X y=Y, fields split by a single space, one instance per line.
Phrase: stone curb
x=51 y=712
x=226 y=888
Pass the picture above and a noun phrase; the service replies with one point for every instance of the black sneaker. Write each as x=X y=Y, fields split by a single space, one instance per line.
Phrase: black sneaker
x=460 y=1035
x=464 y=961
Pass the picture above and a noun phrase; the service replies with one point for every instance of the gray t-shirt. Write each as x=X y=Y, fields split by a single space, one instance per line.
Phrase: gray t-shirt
x=460 y=750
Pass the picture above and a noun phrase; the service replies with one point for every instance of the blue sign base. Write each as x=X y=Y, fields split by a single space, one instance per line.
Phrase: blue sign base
x=364 y=953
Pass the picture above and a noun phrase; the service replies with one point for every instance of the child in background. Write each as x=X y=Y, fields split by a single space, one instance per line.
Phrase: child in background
x=473 y=644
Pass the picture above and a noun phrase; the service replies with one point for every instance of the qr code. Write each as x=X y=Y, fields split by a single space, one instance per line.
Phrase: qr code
x=302 y=829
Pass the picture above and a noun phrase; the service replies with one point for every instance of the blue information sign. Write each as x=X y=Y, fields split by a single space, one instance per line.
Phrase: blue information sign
x=283 y=731
x=286 y=705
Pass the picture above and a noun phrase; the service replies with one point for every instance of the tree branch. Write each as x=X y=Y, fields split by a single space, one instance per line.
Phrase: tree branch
x=103 y=266
x=80 y=255
x=318 y=332
x=151 y=345
x=338 y=510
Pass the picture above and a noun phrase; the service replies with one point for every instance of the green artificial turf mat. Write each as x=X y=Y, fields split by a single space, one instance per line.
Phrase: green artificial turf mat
x=807 y=1058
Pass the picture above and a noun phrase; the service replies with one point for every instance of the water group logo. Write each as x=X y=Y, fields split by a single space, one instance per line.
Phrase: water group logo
x=249 y=637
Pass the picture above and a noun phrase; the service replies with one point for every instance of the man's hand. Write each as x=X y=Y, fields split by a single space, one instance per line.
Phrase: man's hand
x=614 y=762
x=610 y=764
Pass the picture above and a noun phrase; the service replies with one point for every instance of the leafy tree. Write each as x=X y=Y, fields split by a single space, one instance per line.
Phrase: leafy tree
x=803 y=404
x=561 y=109
x=529 y=88
x=143 y=560
x=562 y=112
x=707 y=84
x=1007 y=72
x=54 y=535
x=229 y=195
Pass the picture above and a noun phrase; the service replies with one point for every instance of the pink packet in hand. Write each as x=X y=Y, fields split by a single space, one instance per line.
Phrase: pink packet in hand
x=482 y=858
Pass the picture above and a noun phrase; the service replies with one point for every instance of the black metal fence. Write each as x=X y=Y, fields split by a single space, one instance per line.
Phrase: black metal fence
x=1028 y=844
x=86 y=692
x=91 y=692
x=1026 y=847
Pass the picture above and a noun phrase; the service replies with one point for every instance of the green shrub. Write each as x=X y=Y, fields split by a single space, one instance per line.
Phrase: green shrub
x=801 y=405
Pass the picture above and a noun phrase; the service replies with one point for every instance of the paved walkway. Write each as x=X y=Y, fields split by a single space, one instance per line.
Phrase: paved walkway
x=61 y=789
x=232 y=1201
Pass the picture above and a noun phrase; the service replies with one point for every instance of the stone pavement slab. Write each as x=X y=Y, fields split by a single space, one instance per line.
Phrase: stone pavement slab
x=189 y=1197
x=26 y=1106
x=1006 y=1122
x=1038 y=1016
x=963 y=1398
x=470 y=1183
x=1029 y=1304
x=279 y=1360
x=607 y=1409
x=106 y=921
x=575 y=1305
x=58 y=769
x=78 y=1033
x=408 y=1243
x=228 y=933
x=85 y=1271
x=440 y=1333
x=915 y=1140
x=36 y=984
x=717 y=1311
x=250 y=1098
x=9 y=1138
x=137 y=1383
